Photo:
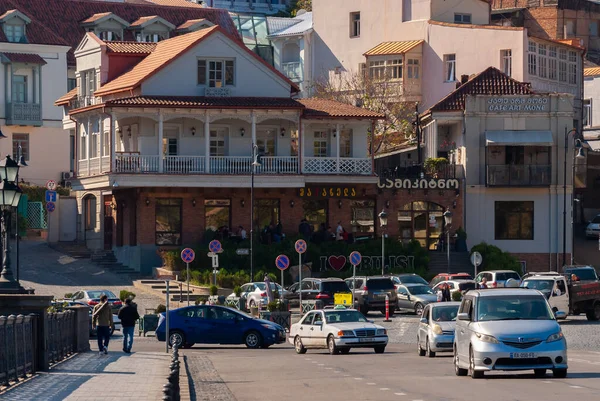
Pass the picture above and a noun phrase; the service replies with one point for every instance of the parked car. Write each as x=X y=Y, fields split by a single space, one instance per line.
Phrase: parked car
x=254 y=293
x=461 y=286
x=211 y=324
x=414 y=297
x=92 y=297
x=338 y=330
x=449 y=276
x=408 y=278
x=60 y=304
x=370 y=292
x=592 y=230
x=322 y=289
x=497 y=278
x=508 y=329
x=436 y=328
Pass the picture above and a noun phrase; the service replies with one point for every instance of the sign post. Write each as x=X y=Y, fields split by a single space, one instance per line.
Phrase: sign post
x=188 y=256
x=282 y=262
x=476 y=260
x=215 y=248
x=51 y=185
x=168 y=337
x=300 y=246
x=355 y=259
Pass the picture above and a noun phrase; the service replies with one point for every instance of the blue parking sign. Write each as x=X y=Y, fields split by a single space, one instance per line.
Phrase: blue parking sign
x=50 y=196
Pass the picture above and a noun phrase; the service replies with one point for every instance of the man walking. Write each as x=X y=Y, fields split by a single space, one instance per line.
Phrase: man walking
x=128 y=315
x=102 y=321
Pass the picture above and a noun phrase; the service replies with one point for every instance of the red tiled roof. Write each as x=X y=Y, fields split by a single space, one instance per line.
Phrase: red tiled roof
x=66 y=98
x=24 y=58
x=130 y=47
x=490 y=81
x=58 y=22
x=323 y=108
x=96 y=17
x=471 y=26
x=141 y=20
x=190 y=23
x=202 y=102
x=175 y=3
x=574 y=43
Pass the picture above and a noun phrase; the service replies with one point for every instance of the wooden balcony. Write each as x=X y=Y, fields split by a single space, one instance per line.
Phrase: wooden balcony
x=519 y=175
x=24 y=114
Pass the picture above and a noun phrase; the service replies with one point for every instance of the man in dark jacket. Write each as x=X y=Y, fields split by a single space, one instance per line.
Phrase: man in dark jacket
x=128 y=315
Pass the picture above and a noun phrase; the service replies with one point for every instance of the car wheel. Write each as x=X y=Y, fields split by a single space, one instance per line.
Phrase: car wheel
x=363 y=309
x=380 y=349
x=333 y=349
x=419 y=308
x=428 y=351
x=559 y=373
x=345 y=351
x=539 y=372
x=594 y=313
x=458 y=370
x=475 y=374
x=420 y=350
x=253 y=339
x=299 y=346
x=176 y=338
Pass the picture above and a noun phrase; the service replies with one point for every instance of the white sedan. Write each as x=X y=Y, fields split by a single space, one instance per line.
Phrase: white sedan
x=337 y=330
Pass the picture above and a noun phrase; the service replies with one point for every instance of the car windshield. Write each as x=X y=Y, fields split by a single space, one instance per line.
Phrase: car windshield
x=97 y=294
x=510 y=308
x=596 y=220
x=349 y=316
x=419 y=290
x=583 y=274
x=505 y=276
x=446 y=313
x=540 y=285
x=334 y=286
x=263 y=286
x=412 y=280
x=380 y=284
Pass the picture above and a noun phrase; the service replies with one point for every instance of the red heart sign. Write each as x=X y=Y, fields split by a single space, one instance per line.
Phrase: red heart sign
x=337 y=262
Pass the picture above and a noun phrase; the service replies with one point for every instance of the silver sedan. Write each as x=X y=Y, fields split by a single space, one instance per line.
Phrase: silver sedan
x=436 y=328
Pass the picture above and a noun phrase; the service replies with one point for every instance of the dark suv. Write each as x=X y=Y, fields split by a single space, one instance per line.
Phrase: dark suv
x=370 y=292
x=317 y=289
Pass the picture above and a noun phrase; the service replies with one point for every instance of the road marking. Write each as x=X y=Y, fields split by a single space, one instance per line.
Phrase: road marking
x=314 y=361
x=399 y=394
x=547 y=381
x=384 y=389
x=328 y=368
x=358 y=378
x=371 y=384
x=321 y=364
x=575 y=386
x=337 y=371
x=346 y=375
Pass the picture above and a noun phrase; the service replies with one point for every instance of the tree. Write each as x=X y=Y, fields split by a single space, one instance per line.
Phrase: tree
x=378 y=92
x=297 y=5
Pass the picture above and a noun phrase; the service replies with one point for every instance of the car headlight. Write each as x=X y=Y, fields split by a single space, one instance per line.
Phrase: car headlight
x=345 y=333
x=381 y=332
x=268 y=326
x=555 y=337
x=486 y=338
x=437 y=329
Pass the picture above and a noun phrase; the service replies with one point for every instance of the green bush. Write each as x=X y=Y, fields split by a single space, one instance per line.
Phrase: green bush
x=124 y=294
x=237 y=291
x=171 y=259
x=68 y=295
x=214 y=290
x=456 y=296
x=496 y=259
x=160 y=309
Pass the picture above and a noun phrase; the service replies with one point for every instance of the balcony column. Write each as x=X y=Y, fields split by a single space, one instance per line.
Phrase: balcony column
x=87 y=143
x=337 y=146
x=113 y=143
x=206 y=142
x=101 y=145
x=301 y=147
x=160 y=141
x=253 y=129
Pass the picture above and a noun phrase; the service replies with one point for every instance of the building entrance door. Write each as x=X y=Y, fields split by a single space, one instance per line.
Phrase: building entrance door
x=423 y=221
x=108 y=223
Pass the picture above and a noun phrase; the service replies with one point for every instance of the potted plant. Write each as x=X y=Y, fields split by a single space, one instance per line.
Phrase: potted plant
x=213 y=299
x=235 y=302
x=461 y=240
x=277 y=313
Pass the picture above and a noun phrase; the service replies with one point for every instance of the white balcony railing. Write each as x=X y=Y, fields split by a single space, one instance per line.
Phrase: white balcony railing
x=293 y=71
x=184 y=164
x=329 y=165
x=24 y=113
x=95 y=166
x=278 y=165
x=230 y=164
x=132 y=163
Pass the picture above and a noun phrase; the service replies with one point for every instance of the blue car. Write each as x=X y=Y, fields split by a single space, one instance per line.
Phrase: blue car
x=211 y=324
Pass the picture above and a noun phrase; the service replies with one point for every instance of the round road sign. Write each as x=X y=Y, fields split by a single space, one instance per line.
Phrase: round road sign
x=282 y=262
x=476 y=259
x=300 y=246
x=50 y=185
x=50 y=206
x=215 y=246
x=188 y=255
x=355 y=258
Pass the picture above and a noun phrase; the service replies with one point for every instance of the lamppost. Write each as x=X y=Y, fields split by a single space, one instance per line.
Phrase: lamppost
x=448 y=220
x=10 y=194
x=580 y=155
x=22 y=163
x=255 y=163
x=417 y=123
x=383 y=220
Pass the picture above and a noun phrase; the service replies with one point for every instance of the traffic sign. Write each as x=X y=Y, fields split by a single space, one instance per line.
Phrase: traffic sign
x=50 y=196
x=215 y=261
x=476 y=259
x=50 y=206
x=215 y=246
x=188 y=255
x=282 y=262
x=50 y=185
x=242 y=251
x=355 y=258
x=300 y=246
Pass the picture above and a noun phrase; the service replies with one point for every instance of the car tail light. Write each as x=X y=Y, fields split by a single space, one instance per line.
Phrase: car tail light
x=117 y=303
x=92 y=302
x=494 y=284
x=365 y=288
x=263 y=294
x=323 y=296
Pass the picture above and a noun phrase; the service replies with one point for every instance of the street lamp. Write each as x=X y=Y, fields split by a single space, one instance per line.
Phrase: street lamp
x=383 y=220
x=448 y=220
x=22 y=163
x=10 y=195
x=580 y=155
x=255 y=163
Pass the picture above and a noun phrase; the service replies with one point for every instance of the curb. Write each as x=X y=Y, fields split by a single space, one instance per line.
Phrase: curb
x=184 y=382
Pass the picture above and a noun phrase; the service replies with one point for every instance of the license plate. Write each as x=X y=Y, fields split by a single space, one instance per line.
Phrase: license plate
x=364 y=340
x=522 y=355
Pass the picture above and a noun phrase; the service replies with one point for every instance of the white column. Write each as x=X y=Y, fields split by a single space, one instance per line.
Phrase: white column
x=87 y=144
x=302 y=142
x=253 y=129
x=160 y=141
x=207 y=142
x=113 y=142
x=337 y=146
x=101 y=145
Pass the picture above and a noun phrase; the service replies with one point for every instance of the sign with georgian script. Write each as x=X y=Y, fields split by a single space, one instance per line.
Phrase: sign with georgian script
x=419 y=183
x=327 y=192
x=518 y=104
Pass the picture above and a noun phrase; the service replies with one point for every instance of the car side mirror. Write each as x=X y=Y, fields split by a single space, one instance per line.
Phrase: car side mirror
x=463 y=316
x=560 y=315
x=423 y=320
x=408 y=297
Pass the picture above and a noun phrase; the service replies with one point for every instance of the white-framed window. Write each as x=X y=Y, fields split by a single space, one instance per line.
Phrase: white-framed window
x=572 y=57
x=570 y=28
x=506 y=61
x=532 y=58
x=106 y=144
x=562 y=71
x=377 y=70
x=216 y=73
x=552 y=69
x=83 y=138
x=413 y=68
x=346 y=143
x=460 y=18
x=562 y=54
x=573 y=74
x=95 y=138
x=217 y=142
x=150 y=37
x=170 y=147
x=15 y=33
x=19 y=89
x=88 y=82
x=449 y=67
x=362 y=69
x=394 y=69
x=109 y=35
x=587 y=112
x=543 y=67
x=355 y=24
x=320 y=144
x=20 y=144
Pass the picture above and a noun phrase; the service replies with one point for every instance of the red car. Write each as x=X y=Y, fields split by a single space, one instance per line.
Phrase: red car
x=449 y=276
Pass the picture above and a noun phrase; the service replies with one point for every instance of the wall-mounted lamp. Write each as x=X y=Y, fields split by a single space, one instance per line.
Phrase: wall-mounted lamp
x=454 y=204
x=242 y=131
x=115 y=184
x=242 y=203
x=292 y=203
x=340 y=203
x=129 y=131
x=457 y=193
x=194 y=202
x=387 y=204
x=147 y=201
x=113 y=205
x=334 y=133
x=120 y=132
x=193 y=131
x=282 y=131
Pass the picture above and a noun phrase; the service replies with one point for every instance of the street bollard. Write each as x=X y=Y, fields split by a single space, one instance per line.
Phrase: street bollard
x=387 y=308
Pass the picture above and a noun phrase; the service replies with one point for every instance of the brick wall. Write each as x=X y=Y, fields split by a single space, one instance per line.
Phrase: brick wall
x=537 y=262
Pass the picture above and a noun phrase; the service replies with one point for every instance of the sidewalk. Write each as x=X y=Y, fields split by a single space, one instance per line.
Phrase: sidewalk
x=90 y=377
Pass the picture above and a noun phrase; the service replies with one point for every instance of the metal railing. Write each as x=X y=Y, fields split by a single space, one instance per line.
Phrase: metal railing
x=292 y=70
x=330 y=165
x=61 y=335
x=416 y=171
x=524 y=175
x=24 y=113
x=17 y=347
x=84 y=101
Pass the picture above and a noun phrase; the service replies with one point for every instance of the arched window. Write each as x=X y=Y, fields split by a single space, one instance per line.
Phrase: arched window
x=89 y=212
x=422 y=221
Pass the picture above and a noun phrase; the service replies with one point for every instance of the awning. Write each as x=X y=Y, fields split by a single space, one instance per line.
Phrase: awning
x=22 y=58
x=518 y=138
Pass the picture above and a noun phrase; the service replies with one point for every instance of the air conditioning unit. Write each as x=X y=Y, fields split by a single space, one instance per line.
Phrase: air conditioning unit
x=67 y=175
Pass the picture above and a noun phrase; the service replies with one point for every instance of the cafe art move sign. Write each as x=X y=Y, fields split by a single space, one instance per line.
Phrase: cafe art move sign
x=419 y=183
x=501 y=104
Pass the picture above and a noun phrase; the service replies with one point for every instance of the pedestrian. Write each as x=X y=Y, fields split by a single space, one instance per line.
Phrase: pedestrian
x=128 y=315
x=102 y=321
x=339 y=232
x=483 y=283
x=446 y=297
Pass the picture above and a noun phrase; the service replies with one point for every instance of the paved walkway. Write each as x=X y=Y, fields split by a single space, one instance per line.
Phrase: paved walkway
x=90 y=377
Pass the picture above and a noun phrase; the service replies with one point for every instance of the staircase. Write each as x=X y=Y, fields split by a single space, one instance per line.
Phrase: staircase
x=107 y=260
x=460 y=262
x=175 y=294
x=73 y=249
